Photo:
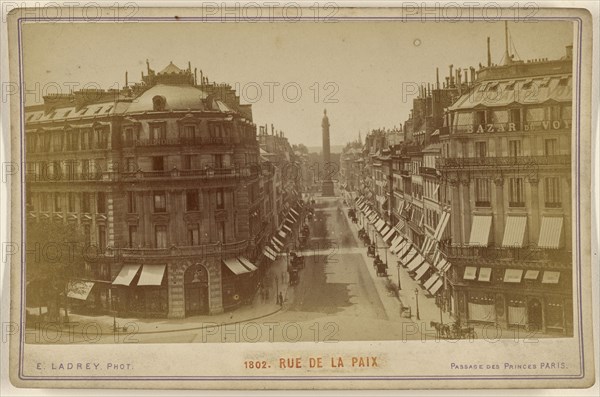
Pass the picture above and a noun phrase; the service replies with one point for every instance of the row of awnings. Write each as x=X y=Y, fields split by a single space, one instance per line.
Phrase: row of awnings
x=473 y=273
x=276 y=244
x=514 y=231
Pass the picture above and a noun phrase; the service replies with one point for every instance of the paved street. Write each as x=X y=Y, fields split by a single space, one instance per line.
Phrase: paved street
x=339 y=297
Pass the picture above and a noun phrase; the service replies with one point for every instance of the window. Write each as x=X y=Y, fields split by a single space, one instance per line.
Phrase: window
x=85 y=167
x=102 y=238
x=514 y=148
x=191 y=200
x=101 y=203
x=566 y=113
x=218 y=160
x=128 y=136
x=552 y=192
x=57 y=203
x=516 y=192
x=482 y=192
x=158 y=133
x=193 y=233
x=131 y=164
x=221 y=230
x=158 y=163
x=87 y=235
x=160 y=236
x=535 y=114
x=499 y=117
x=132 y=236
x=515 y=118
x=85 y=202
x=220 y=199
x=160 y=201
x=131 y=203
x=480 y=118
x=481 y=149
x=189 y=132
x=186 y=162
x=554 y=112
x=71 y=202
x=550 y=147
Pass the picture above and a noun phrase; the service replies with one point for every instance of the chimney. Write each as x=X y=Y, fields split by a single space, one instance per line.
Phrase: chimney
x=437 y=78
x=195 y=75
x=507 y=58
x=472 y=70
x=569 y=49
x=451 y=77
x=126 y=81
x=189 y=66
x=458 y=81
x=489 y=53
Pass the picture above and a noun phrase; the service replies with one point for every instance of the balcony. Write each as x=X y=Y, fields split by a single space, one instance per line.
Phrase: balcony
x=427 y=171
x=207 y=173
x=176 y=251
x=527 y=162
x=507 y=256
x=188 y=141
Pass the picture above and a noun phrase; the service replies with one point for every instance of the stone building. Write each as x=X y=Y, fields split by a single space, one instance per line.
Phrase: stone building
x=163 y=177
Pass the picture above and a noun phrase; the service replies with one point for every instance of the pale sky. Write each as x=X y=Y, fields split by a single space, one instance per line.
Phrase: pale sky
x=365 y=63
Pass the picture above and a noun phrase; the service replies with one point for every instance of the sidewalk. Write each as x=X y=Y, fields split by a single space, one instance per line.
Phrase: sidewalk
x=428 y=310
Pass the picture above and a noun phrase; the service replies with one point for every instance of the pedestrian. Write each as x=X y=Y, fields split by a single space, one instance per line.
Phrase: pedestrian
x=280 y=299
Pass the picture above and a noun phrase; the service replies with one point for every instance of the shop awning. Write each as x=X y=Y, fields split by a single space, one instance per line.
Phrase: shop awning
x=531 y=274
x=421 y=270
x=485 y=274
x=480 y=230
x=400 y=226
x=389 y=235
x=379 y=225
x=126 y=275
x=550 y=232
x=436 y=287
x=269 y=253
x=434 y=277
x=442 y=265
x=277 y=242
x=441 y=226
x=550 y=277
x=513 y=275
x=235 y=266
x=79 y=289
x=291 y=218
x=470 y=273
x=293 y=211
x=397 y=244
x=415 y=262
x=246 y=262
x=514 y=232
x=152 y=275
x=408 y=253
x=286 y=228
x=282 y=234
x=385 y=230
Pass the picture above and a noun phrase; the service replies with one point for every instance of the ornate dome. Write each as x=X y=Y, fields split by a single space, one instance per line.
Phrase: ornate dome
x=168 y=97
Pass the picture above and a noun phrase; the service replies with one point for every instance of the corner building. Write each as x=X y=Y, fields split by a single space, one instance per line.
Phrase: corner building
x=163 y=177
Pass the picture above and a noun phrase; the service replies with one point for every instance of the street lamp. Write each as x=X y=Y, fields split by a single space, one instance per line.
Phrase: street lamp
x=417 y=298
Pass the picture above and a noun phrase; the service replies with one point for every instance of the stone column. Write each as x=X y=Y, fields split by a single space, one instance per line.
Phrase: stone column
x=175 y=290
x=456 y=218
x=465 y=200
x=534 y=213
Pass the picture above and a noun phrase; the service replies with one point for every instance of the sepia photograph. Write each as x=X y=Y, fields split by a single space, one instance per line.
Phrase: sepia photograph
x=209 y=179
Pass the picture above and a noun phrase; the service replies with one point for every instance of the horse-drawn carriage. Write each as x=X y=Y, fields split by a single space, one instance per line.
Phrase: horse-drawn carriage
x=371 y=250
x=454 y=330
x=297 y=261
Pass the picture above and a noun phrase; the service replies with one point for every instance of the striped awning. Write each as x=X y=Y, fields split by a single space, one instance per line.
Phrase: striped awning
x=246 y=262
x=513 y=275
x=400 y=226
x=293 y=211
x=269 y=253
x=379 y=225
x=550 y=277
x=480 y=230
x=282 y=234
x=431 y=280
x=436 y=286
x=397 y=244
x=385 y=230
x=421 y=270
x=485 y=274
x=235 y=266
x=550 y=232
x=277 y=243
x=514 y=232
x=286 y=228
x=389 y=235
x=470 y=273
x=415 y=262
x=441 y=226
